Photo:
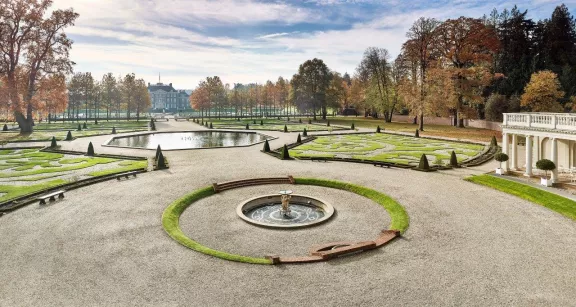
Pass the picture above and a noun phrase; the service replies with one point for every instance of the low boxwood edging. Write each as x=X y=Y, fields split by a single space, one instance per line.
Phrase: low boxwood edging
x=171 y=215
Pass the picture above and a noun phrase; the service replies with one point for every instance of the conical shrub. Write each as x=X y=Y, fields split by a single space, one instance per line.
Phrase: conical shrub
x=353 y=127
x=417 y=134
x=79 y=128
x=287 y=119
x=161 y=162
x=378 y=129
x=158 y=152
x=84 y=126
x=453 y=159
x=299 y=139
x=247 y=126
x=285 y=128
x=309 y=122
x=493 y=142
x=113 y=130
x=69 y=136
x=211 y=127
x=423 y=163
x=53 y=143
x=266 y=146
x=305 y=133
x=254 y=122
x=261 y=123
x=299 y=120
x=5 y=128
x=285 y=154
x=95 y=122
x=328 y=123
x=152 y=125
x=90 y=151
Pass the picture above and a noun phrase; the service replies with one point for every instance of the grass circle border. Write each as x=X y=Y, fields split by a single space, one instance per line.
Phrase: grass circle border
x=171 y=215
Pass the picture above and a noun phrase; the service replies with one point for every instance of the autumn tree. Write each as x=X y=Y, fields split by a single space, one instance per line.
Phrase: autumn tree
x=281 y=92
x=52 y=97
x=374 y=71
x=420 y=50
x=543 y=93
x=142 y=99
x=200 y=100
x=109 y=93
x=465 y=47
x=32 y=40
x=336 y=92
x=128 y=93
x=310 y=85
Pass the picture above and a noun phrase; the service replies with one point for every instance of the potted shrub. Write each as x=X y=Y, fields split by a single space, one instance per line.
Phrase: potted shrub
x=545 y=165
x=500 y=157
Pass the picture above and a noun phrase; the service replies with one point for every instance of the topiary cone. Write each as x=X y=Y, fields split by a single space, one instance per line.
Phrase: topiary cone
x=113 y=130
x=328 y=123
x=300 y=120
x=493 y=142
x=84 y=126
x=161 y=162
x=299 y=139
x=285 y=128
x=53 y=143
x=211 y=127
x=417 y=134
x=305 y=133
x=247 y=127
x=158 y=152
x=95 y=122
x=453 y=159
x=90 y=151
x=69 y=136
x=261 y=123
x=254 y=122
x=285 y=154
x=352 y=127
x=5 y=128
x=378 y=129
x=423 y=163
x=266 y=146
x=309 y=122
x=79 y=128
x=287 y=119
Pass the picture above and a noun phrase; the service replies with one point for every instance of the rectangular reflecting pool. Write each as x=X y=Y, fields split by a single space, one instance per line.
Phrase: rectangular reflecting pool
x=189 y=140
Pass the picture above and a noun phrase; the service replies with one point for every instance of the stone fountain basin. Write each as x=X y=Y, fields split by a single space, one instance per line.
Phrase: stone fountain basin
x=264 y=201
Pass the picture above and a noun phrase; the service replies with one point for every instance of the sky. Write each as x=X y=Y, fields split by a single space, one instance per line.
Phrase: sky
x=246 y=41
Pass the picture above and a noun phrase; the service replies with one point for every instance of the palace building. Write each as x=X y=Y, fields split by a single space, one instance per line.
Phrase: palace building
x=167 y=99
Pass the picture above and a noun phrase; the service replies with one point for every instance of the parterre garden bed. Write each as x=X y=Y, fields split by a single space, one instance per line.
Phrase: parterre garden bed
x=25 y=171
x=382 y=147
x=45 y=132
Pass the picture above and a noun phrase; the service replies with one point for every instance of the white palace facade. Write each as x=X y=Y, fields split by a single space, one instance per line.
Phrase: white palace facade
x=549 y=136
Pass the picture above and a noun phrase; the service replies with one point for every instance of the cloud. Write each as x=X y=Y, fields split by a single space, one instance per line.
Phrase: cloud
x=246 y=40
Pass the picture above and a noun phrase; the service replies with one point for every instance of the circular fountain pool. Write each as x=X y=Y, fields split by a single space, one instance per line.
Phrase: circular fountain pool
x=267 y=211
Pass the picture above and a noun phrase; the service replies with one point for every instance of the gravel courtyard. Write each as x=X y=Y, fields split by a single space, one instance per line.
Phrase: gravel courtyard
x=104 y=245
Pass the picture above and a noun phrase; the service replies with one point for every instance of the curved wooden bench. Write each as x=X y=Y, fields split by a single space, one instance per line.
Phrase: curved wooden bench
x=218 y=187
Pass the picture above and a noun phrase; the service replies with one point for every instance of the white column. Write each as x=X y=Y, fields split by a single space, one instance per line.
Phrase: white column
x=529 y=153
x=514 y=154
x=505 y=150
x=555 y=159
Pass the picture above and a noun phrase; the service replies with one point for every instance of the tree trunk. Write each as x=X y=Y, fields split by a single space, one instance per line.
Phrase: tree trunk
x=26 y=124
x=421 y=124
x=324 y=112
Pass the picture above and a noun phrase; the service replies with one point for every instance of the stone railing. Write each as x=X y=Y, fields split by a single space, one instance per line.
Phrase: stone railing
x=559 y=121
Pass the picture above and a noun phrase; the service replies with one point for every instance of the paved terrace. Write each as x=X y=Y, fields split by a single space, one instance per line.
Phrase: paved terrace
x=104 y=244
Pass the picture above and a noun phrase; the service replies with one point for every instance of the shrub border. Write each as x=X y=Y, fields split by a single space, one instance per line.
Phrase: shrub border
x=171 y=215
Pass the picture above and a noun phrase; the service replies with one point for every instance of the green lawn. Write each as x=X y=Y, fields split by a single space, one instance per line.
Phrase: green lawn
x=562 y=205
x=46 y=135
x=29 y=170
x=473 y=134
x=384 y=147
x=273 y=125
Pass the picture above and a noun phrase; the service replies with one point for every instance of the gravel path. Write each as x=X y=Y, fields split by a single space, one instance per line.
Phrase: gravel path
x=104 y=244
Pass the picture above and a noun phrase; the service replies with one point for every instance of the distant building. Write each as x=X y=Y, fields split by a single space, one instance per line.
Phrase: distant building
x=165 y=98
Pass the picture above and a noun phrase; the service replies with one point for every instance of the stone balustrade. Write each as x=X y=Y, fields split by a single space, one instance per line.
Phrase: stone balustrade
x=553 y=121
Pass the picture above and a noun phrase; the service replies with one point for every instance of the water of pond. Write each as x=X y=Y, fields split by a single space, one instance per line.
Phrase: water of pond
x=189 y=140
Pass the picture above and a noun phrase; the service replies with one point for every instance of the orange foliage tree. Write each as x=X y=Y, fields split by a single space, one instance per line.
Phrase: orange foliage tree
x=542 y=93
x=33 y=42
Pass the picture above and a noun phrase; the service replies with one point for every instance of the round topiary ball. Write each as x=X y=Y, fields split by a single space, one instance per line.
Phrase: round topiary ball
x=501 y=157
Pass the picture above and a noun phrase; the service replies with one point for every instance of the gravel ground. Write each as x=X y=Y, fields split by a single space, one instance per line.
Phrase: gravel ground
x=104 y=244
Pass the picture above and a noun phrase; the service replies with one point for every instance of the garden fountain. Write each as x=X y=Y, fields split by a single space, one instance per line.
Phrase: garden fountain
x=285 y=210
